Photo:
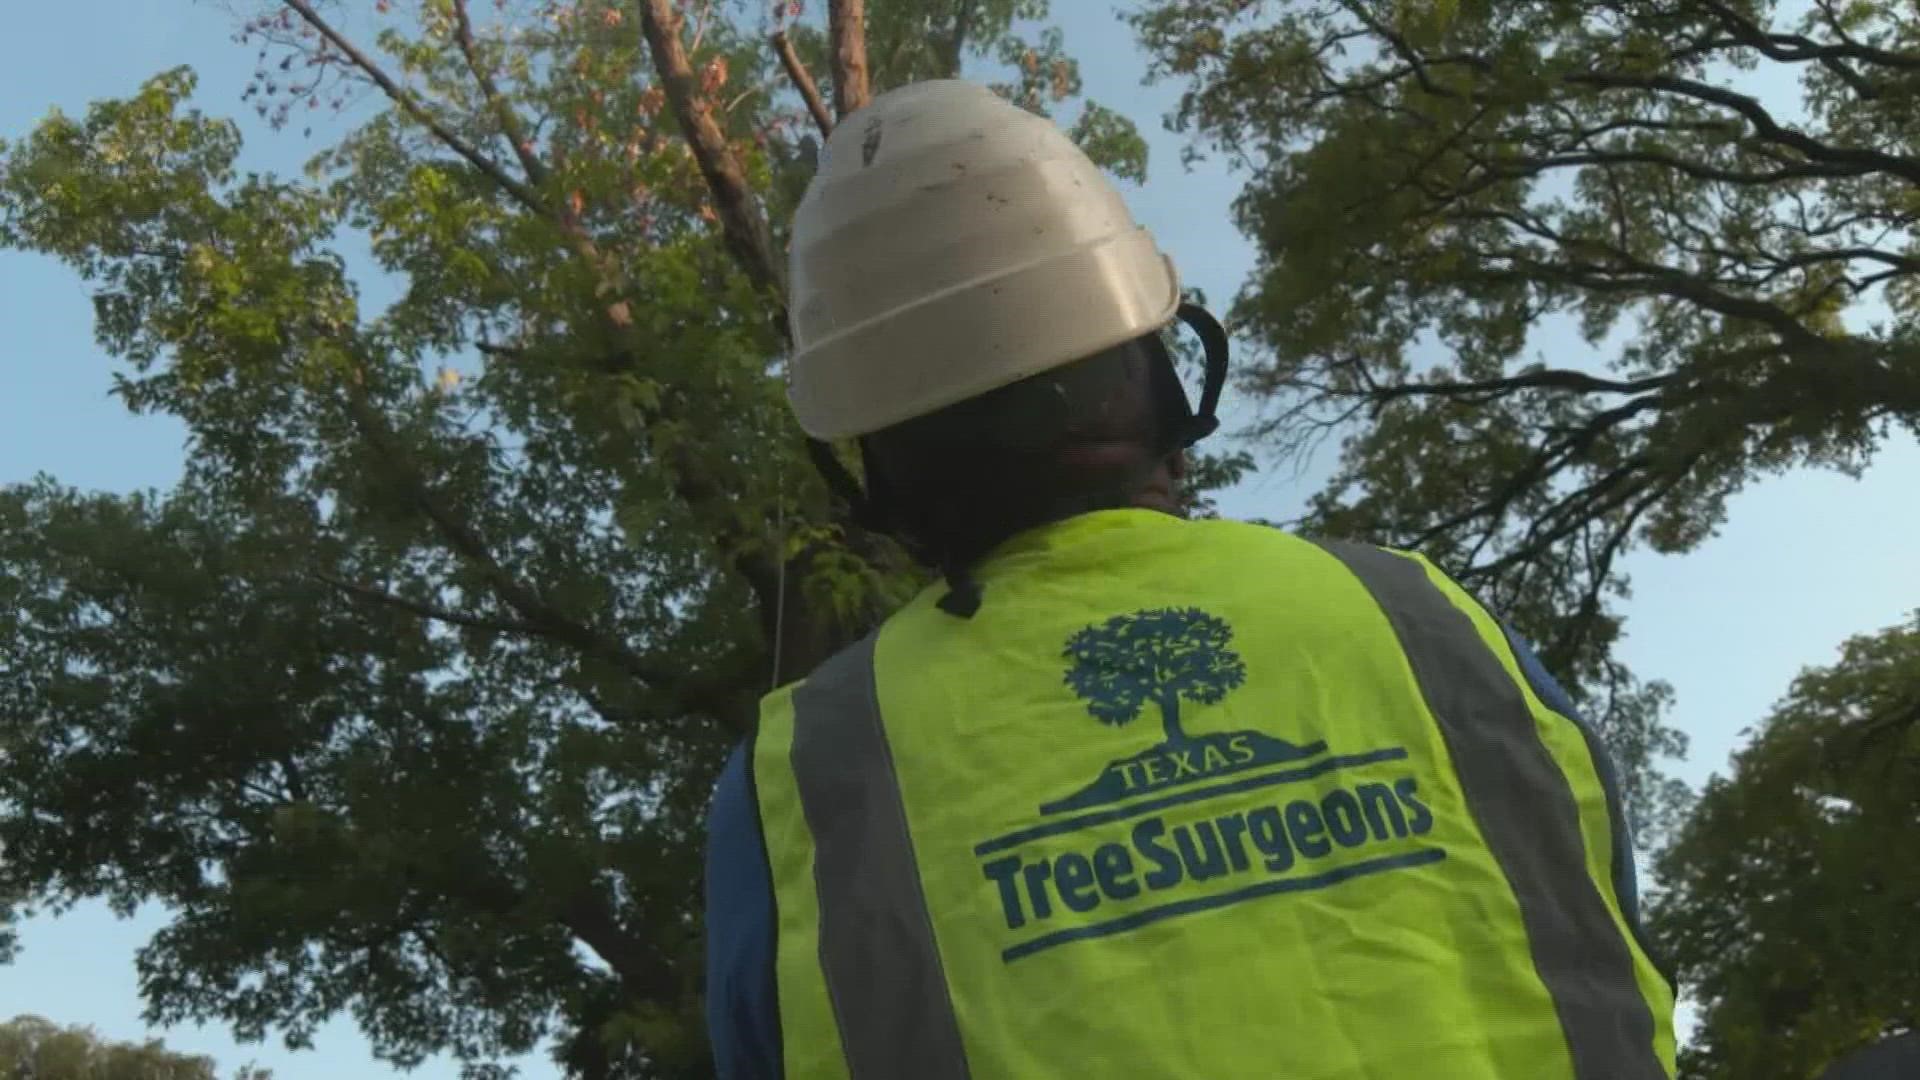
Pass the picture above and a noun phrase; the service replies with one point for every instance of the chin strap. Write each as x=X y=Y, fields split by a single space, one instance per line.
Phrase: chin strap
x=1201 y=421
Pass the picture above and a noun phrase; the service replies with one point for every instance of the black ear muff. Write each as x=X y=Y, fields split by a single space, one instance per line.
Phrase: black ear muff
x=1175 y=421
x=1213 y=340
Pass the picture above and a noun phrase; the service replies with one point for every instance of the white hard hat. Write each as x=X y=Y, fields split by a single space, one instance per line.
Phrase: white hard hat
x=951 y=244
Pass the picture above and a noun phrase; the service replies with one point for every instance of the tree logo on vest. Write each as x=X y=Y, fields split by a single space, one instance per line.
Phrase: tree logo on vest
x=1163 y=657
x=1200 y=820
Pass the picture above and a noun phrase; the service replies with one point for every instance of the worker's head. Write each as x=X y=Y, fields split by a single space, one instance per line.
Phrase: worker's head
x=1103 y=432
x=973 y=301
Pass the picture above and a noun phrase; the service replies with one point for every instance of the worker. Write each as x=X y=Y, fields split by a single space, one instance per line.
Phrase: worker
x=1124 y=794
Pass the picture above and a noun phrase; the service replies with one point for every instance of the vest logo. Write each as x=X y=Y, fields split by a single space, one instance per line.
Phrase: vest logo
x=1163 y=657
x=1191 y=823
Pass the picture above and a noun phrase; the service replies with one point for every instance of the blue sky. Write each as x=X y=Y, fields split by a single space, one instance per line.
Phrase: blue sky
x=1805 y=560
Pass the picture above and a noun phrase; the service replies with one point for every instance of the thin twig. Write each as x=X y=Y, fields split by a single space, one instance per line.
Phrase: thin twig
x=412 y=106
x=503 y=112
x=1542 y=378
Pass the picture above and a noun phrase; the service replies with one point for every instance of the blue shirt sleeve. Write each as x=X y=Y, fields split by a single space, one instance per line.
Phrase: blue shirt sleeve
x=1626 y=880
x=743 y=1013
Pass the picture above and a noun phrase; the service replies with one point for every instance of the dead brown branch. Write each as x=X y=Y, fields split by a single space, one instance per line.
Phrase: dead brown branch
x=802 y=81
x=745 y=229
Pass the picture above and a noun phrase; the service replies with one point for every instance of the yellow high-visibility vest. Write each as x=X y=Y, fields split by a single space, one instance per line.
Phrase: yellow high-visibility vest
x=1196 y=799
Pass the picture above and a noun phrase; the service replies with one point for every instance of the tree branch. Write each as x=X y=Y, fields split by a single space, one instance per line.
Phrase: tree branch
x=1572 y=631
x=1593 y=502
x=1632 y=275
x=615 y=312
x=541 y=617
x=504 y=352
x=745 y=229
x=425 y=610
x=1763 y=123
x=643 y=968
x=1542 y=378
x=1546 y=463
x=847 y=36
x=956 y=44
x=292 y=777
x=1526 y=168
x=503 y=110
x=749 y=239
x=1790 y=48
x=802 y=81
x=803 y=639
x=1417 y=65
x=410 y=105
x=1798 y=48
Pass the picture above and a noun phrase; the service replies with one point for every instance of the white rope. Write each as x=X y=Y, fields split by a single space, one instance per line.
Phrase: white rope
x=780 y=557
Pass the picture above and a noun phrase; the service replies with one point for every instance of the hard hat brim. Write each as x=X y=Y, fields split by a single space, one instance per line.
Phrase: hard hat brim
x=984 y=334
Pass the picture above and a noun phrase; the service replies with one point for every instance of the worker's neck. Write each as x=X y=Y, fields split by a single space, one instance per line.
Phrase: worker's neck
x=1159 y=498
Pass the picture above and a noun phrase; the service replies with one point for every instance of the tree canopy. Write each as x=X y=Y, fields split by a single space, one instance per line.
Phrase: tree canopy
x=406 y=703
x=1789 y=896
x=35 y=1049
x=1716 y=195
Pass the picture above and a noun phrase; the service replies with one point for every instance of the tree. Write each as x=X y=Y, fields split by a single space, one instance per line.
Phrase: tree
x=407 y=702
x=34 y=1049
x=1159 y=656
x=1789 y=895
x=1458 y=178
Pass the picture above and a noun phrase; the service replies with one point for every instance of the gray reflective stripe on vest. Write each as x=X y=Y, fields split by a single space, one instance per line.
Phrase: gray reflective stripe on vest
x=877 y=953
x=1525 y=809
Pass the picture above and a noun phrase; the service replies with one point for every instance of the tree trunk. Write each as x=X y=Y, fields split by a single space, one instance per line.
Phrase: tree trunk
x=847 y=34
x=1170 y=719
